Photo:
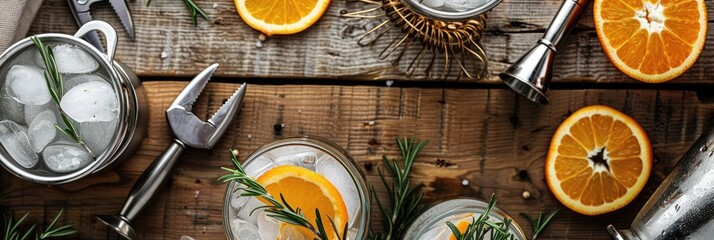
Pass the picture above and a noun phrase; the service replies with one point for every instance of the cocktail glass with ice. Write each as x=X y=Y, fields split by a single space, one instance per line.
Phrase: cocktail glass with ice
x=322 y=157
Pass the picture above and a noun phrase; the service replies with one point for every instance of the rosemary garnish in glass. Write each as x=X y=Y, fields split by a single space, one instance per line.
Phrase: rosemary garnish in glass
x=13 y=232
x=193 y=9
x=55 y=84
x=481 y=228
x=404 y=198
x=280 y=210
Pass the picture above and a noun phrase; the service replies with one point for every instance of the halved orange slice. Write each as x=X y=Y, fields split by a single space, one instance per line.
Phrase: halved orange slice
x=306 y=190
x=599 y=160
x=651 y=40
x=281 y=16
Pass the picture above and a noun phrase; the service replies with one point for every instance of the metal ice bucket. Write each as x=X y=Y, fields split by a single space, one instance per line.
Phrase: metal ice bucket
x=683 y=205
x=132 y=104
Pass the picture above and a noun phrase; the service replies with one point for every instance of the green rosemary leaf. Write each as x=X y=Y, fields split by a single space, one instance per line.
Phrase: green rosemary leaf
x=454 y=230
x=13 y=228
x=320 y=224
x=29 y=231
x=53 y=93
x=54 y=81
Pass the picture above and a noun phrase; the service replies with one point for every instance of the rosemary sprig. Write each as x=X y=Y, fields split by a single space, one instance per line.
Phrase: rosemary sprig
x=55 y=85
x=482 y=228
x=13 y=232
x=194 y=11
x=540 y=223
x=280 y=210
x=405 y=198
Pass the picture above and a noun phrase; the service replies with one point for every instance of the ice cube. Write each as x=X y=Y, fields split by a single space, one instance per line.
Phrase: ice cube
x=433 y=3
x=71 y=59
x=338 y=175
x=290 y=232
x=17 y=145
x=259 y=165
x=42 y=130
x=243 y=230
x=237 y=201
x=268 y=227
x=97 y=135
x=247 y=213
x=12 y=110
x=91 y=102
x=31 y=111
x=65 y=158
x=27 y=85
x=72 y=82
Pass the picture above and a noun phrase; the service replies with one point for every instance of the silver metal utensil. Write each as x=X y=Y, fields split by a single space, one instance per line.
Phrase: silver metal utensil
x=683 y=205
x=189 y=131
x=81 y=12
x=530 y=76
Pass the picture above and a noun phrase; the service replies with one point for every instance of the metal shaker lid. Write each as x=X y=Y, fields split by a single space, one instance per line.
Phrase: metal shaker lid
x=451 y=10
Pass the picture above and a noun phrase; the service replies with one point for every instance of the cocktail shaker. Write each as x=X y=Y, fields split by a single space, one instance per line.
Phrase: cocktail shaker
x=683 y=205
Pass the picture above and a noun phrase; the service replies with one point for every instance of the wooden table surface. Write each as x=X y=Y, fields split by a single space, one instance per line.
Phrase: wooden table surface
x=320 y=82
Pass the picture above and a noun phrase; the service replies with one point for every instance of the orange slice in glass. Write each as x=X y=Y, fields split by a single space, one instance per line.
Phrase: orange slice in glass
x=308 y=191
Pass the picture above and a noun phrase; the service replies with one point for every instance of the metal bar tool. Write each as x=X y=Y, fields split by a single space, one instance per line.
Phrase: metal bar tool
x=189 y=131
x=80 y=11
x=683 y=205
x=530 y=76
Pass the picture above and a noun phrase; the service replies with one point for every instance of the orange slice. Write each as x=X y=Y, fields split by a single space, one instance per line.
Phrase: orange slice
x=306 y=190
x=599 y=160
x=281 y=16
x=651 y=40
x=462 y=225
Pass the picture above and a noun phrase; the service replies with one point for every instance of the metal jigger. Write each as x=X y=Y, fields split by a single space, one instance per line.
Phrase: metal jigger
x=530 y=76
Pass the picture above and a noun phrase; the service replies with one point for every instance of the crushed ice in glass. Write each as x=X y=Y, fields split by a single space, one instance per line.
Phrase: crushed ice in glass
x=14 y=139
x=63 y=158
x=244 y=230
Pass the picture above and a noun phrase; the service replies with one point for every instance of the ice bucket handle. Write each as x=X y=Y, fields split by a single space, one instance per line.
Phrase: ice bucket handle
x=109 y=33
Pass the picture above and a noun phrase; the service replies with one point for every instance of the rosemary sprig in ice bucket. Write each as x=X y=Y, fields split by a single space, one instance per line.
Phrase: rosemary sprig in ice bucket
x=55 y=85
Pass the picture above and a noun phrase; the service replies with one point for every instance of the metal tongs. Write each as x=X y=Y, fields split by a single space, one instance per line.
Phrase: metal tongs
x=189 y=131
x=80 y=11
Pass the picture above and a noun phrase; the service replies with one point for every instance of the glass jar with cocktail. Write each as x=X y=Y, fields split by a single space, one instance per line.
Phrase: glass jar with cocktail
x=306 y=174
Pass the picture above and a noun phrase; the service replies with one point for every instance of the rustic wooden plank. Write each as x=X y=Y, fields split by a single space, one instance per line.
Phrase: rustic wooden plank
x=328 y=50
x=492 y=138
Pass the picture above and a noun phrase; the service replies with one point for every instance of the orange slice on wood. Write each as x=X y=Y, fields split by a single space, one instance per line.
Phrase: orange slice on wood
x=306 y=190
x=651 y=40
x=599 y=160
x=281 y=16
